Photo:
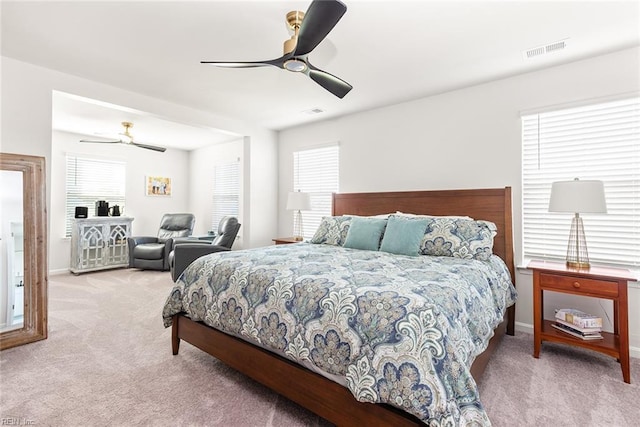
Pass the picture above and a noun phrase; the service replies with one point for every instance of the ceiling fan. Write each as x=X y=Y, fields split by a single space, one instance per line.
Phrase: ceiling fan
x=309 y=29
x=126 y=138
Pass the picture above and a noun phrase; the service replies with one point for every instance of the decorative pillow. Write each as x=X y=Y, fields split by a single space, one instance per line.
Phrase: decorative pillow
x=332 y=230
x=404 y=235
x=458 y=238
x=365 y=233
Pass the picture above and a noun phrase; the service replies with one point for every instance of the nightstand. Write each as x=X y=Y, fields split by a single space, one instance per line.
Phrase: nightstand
x=285 y=240
x=597 y=282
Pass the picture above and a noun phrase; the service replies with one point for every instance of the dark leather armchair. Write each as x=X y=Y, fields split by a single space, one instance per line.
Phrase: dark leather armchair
x=152 y=253
x=185 y=251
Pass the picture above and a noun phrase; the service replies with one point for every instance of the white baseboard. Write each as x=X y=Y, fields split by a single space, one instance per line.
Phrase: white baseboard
x=528 y=328
x=60 y=271
x=524 y=327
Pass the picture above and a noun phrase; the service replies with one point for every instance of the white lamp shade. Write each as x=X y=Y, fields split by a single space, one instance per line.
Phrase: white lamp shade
x=298 y=201
x=578 y=197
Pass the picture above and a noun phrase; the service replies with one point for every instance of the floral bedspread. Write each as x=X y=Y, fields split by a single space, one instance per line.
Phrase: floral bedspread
x=395 y=329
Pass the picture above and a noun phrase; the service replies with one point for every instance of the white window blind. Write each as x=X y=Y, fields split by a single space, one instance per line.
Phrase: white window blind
x=89 y=180
x=600 y=142
x=315 y=171
x=226 y=192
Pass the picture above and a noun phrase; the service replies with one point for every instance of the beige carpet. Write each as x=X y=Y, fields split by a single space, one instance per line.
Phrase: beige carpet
x=108 y=362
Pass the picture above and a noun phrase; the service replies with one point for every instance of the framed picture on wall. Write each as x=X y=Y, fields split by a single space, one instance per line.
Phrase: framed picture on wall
x=158 y=186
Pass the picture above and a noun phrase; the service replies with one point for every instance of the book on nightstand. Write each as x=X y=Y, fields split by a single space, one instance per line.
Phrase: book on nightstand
x=578 y=318
x=595 y=335
x=577 y=328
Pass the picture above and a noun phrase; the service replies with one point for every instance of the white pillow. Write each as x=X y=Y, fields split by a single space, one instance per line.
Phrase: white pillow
x=381 y=216
x=432 y=216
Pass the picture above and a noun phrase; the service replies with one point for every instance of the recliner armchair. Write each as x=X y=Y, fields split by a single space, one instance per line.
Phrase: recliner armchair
x=152 y=253
x=185 y=251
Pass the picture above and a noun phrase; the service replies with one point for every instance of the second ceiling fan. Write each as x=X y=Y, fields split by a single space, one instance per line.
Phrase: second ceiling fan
x=127 y=138
x=309 y=29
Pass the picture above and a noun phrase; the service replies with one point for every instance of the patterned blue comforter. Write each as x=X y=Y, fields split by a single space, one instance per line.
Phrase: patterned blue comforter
x=394 y=329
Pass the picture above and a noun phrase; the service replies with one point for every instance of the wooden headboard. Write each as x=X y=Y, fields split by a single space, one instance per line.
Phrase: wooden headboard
x=488 y=204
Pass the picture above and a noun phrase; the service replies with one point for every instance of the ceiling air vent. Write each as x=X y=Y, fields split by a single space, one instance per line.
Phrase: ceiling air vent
x=313 y=111
x=543 y=50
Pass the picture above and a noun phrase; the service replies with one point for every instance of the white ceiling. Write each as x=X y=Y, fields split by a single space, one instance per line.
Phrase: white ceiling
x=390 y=51
x=96 y=120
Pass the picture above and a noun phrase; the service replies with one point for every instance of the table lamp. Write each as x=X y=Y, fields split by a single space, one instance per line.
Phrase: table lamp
x=298 y=202
x=577 y=197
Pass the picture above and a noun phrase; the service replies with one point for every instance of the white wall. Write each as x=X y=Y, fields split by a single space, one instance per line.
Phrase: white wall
x=468 y=138
x=261 y=203
x=146 y=210
x=258 y=181
x=25 y=128
x=201 y=164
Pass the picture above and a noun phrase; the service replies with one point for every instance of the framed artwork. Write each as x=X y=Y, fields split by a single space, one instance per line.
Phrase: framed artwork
x=158 y=186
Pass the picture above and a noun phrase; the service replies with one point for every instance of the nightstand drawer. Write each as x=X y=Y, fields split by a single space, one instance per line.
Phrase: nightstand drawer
x=579 y=284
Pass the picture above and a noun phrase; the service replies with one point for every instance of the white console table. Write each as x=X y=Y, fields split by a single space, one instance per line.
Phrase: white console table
x=99 y=243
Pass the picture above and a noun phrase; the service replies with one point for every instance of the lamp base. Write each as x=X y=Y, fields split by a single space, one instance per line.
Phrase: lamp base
x=297 y=226
x=577 y=255
x=578 y=265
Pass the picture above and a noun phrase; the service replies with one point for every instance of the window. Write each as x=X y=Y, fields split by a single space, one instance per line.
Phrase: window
x=601 y=142
x=315 y=171
x=89 y=180
x=226 y=192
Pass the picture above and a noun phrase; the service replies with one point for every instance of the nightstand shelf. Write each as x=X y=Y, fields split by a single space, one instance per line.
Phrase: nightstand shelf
x=596 y=282
x=608 y=345
x=285 y=240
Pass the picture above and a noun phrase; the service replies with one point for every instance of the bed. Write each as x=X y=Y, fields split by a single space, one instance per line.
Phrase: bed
x=337 y=362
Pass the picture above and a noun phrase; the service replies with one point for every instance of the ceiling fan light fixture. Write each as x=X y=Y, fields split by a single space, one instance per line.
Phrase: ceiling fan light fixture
x=295 y=65
x=126 y=136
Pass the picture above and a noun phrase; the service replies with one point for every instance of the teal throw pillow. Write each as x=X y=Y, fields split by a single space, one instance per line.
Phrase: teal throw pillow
x=404 y=235
x=365 y=233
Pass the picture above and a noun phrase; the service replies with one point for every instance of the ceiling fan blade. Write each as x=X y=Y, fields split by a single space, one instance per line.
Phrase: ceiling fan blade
x=278 y=62
x=333 y=84
x=149 y=147
x=101 y=142
x=319 y=19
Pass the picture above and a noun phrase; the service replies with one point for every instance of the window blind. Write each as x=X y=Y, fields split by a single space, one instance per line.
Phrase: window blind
x=601 y=142
x=316 y=171
x=226 y=192
x=89 y=180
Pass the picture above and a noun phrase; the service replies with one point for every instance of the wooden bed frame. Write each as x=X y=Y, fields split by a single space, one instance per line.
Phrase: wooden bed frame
x=320 y=395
